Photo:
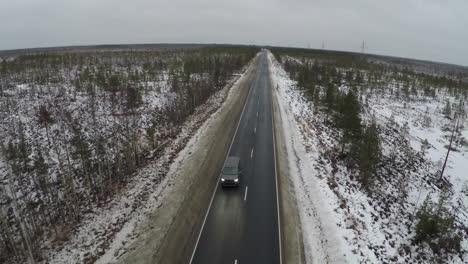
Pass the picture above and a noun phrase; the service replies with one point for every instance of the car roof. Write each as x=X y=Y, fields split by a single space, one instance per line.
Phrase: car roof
x=232 y=161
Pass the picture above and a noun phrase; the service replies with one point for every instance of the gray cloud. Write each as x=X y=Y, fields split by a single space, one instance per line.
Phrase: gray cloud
x=426 y=29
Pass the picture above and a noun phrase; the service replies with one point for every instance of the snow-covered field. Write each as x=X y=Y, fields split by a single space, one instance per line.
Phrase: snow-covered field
x=87 y=139
x=425 y=121
x=341 y=222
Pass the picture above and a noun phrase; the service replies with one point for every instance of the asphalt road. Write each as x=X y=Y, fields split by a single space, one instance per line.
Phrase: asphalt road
x=242 y=223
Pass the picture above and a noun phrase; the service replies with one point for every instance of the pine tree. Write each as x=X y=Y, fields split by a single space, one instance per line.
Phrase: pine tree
x=447 y=109
x=370 y=155
x=350 y=121
x=45 y=119
x=150 y=132
x=23 y=149
x=427 y=120
x=329 y=99
x=41 y=169
x=425 y=145
x=11 y=152
x=39 y=164
x=134 y=98
x=359 y=79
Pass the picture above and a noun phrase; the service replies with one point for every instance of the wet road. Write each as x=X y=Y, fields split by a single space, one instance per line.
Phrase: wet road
x=242 y=223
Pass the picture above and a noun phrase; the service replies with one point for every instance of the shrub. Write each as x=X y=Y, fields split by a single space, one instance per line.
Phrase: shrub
x=435 y=226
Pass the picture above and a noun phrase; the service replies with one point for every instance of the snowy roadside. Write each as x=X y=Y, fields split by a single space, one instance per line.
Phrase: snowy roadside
x=106 y=232
x=343 y=224
x=323 y=244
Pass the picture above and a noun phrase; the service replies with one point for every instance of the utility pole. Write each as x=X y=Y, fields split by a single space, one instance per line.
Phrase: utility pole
x=323 y=45
x=363 y=47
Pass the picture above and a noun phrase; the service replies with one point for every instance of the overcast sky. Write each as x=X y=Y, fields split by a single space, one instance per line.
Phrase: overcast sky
x=425 y=29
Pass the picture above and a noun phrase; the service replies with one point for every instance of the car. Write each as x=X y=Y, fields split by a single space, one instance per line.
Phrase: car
x=231 y=172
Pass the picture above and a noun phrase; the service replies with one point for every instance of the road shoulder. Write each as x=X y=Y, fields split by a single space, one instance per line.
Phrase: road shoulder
x=291 y=232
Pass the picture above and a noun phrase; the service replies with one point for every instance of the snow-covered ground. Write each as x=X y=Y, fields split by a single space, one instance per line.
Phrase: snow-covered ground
x=107 y=232
x=87 y=139
x=322 y=237
x=341 y=222
x=425 y=121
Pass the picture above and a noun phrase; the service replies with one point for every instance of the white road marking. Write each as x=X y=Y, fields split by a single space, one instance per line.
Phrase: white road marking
x=245 y=195
x=255 y=130
x=257 y=113
x=235 y=261
x=251 y=153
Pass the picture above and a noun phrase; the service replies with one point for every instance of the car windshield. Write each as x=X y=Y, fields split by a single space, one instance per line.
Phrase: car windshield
x=230 y=171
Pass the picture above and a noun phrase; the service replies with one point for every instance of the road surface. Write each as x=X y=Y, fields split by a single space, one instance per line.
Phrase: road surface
x=242 y=223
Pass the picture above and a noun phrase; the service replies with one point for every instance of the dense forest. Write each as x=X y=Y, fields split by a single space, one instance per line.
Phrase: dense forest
x=75 y=125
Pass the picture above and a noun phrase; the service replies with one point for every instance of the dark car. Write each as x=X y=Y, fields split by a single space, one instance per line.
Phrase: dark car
x=231 y=172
